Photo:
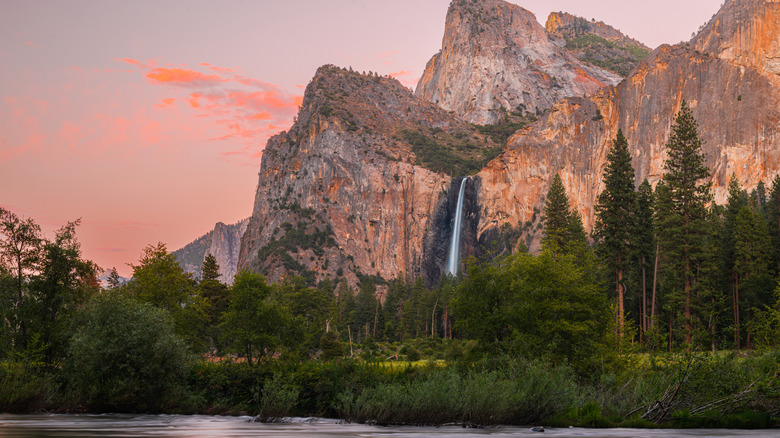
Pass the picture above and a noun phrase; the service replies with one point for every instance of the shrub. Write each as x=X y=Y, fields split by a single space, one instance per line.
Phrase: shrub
x=124 y=356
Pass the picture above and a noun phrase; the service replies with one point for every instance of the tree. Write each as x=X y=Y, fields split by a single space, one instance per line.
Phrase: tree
x=557 y=217
x=737 y=200
x=160 y=280
x=751 y=259
x=205 y=314
x=65 y=281
x=683 y=227
x=124 y=356
x=644 y=246
x=20 y=248
x=539 y=306
x=254 y=324
x=773 y=223
x=615 y=215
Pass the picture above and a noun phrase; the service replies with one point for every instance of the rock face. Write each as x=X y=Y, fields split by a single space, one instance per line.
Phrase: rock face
x=727 y=74
x=597 y=43
x=349 y=190
x=223 y=242
x=494 y=56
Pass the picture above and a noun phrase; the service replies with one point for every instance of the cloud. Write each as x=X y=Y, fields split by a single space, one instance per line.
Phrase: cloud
x=406 y=77
x=247 y=110
x=166 y=102
x=183 y=77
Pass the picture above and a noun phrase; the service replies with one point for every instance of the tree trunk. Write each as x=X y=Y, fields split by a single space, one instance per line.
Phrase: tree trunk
x=621 y=309
x=655 y=281
x=643 y=312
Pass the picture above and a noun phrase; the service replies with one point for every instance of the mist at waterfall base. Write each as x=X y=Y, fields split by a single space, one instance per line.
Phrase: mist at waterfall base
x=457 y=225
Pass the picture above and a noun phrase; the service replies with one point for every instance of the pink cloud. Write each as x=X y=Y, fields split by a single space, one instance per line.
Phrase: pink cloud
x=183 y=77
x=166 y=102
x=247 y=109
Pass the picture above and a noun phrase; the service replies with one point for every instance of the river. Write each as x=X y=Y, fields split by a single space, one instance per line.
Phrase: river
x=114 y=425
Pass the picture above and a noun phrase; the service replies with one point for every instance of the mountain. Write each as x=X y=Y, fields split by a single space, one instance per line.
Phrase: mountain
x=495 y=56
x=730 y=76
x=366 y=181
x=355 y=186
x=597 y=43
x=224 y=242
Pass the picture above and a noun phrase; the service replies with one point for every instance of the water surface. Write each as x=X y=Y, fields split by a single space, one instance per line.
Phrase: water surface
x=114 y=425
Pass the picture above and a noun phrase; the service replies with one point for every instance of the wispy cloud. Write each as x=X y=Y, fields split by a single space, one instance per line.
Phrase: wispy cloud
x=249 y=110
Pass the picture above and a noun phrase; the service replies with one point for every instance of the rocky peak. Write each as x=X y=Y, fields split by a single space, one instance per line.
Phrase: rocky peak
x=350 y=190
x=746 y=32
x=596 y=42
x=495 y=55
x=568 y=26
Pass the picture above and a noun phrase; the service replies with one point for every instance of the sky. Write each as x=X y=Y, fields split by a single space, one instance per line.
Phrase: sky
x=147 y=119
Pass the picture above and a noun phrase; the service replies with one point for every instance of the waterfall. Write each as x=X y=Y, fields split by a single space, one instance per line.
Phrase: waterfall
x=454 y=255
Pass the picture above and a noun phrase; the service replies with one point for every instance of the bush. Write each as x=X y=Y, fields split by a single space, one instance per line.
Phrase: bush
x=124 y=356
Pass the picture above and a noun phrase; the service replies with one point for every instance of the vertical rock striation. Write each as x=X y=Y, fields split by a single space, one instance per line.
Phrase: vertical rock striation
x=343 y=193
x=495 y=56
x=727 y=76
x=224 y=242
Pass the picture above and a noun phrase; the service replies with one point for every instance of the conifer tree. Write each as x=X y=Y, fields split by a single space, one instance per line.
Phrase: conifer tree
x=773 y=224
x=644 y=246
x=210 y=268
x=614 y=225
x=557 y=217
x=684 y=226
x=737 y=200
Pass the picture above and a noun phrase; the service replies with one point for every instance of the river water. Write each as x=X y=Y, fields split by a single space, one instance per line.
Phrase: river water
x=113 y=425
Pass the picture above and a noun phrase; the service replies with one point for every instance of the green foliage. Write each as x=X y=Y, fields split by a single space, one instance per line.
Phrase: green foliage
x=125 y=356
x=602 y=53
x=614 y=219
x=683 y=226
x=525 y=393
x=563 y=230
x=444 y=153
x=303 y=237
x=279 y=399
x=330 y=346
x=254 y=324
x=540 y=306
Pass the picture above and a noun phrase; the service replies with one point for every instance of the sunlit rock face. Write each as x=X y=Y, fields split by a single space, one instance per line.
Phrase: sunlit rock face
x=347 y=183
x=727 y=74
x=224 y=242
x=494 y=56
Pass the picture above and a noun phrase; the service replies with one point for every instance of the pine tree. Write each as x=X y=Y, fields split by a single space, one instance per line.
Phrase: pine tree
x=210 y=268
x=614 y=225
x=644 y=246
x=737 y=200
x=773 y=224
x=683 y=228
x=751 y=259
x=557 y=217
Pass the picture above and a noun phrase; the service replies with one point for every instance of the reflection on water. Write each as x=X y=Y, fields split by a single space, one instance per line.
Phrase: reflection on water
x=213 y=426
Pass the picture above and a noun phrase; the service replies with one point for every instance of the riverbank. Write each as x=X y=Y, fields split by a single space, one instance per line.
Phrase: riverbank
x=702 y=391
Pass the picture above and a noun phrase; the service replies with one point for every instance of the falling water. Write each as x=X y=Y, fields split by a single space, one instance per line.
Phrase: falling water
x=454 y=255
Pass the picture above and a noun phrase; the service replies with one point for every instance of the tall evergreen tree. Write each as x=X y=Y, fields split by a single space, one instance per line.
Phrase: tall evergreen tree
x=614 y=225
x=556 y=217
x=683 y=226
x=751 y=260
x=737 y=200
x=773 y=223
x=210 y=268
x=644 y=247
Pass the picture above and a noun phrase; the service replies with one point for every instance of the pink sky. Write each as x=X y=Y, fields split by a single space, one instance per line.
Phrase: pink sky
x=147 y=119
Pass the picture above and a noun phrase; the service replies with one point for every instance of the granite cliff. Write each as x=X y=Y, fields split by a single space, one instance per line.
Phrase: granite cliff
x=494 y=56
x=729 y=76
x=223 y=242
x=351 y=189
x=365 y=182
